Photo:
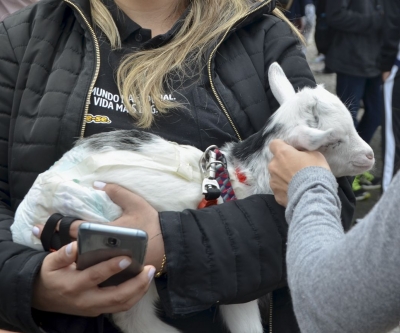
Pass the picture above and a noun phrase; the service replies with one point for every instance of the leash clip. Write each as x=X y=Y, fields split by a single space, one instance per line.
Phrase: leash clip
x=208 y=161
x=210 y=188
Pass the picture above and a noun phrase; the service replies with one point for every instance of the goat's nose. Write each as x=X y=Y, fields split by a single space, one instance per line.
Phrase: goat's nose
x=370 y=155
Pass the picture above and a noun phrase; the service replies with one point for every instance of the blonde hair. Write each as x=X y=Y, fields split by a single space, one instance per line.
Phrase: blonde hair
x=144 y=74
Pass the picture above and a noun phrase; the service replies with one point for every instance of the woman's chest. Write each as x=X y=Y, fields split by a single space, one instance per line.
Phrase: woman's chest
x=197 y=120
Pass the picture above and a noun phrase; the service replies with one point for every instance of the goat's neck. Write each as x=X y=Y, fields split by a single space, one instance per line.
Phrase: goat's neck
x=251 y=158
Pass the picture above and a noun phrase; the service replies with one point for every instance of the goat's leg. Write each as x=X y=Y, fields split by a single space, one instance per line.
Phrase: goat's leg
x=242 y=318
x=142 y=317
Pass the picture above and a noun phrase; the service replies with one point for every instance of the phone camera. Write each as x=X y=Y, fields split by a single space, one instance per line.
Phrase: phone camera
x=111 y=241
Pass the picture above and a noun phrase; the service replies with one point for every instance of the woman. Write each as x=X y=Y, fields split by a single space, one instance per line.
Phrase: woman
x=338 y=282
x=193 y=72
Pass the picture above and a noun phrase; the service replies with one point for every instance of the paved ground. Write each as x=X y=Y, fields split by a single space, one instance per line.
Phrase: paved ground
x=363 y=207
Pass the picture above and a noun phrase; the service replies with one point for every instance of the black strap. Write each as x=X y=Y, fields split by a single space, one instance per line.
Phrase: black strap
x=65 y=225
x=52 y=240
x=48 y=232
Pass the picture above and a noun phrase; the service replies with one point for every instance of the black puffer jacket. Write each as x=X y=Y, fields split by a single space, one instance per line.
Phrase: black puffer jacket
x=47 y=68
x=356 y=44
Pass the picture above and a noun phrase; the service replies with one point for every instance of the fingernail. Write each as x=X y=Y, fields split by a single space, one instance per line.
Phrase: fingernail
x=68 y=249
x=99 y=185
x=36 y=231
x=124 y=263
x=150 y=274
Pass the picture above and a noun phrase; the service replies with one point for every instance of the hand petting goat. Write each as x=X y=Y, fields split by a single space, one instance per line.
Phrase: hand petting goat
x=287 y=161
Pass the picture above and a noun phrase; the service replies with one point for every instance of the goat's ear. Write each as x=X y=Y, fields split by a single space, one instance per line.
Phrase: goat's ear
x=307 y=138
x=280 y=85
x=308 y=106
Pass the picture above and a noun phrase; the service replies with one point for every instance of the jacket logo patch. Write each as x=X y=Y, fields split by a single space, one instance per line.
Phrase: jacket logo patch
x=97 y=119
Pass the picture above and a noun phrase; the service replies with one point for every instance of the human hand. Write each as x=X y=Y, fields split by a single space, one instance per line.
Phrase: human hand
x=61 y=288
x=287 y=161
x=136 y=213
x=385 y=76
x=139 y=214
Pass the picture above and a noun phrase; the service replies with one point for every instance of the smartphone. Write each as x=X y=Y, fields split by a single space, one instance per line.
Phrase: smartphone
x=101 y=242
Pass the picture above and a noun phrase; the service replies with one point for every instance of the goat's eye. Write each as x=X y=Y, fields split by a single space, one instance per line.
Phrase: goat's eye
x=337 y=144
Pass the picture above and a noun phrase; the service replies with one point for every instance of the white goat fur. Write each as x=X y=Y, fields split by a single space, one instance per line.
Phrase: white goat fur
x=160 y=171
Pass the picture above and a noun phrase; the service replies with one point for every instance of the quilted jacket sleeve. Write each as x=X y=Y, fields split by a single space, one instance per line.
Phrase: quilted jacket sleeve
x=18 y=264
x=230 y=253
x=235 y=252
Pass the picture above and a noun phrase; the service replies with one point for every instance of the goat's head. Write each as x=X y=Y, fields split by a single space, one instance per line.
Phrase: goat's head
x=315 y=119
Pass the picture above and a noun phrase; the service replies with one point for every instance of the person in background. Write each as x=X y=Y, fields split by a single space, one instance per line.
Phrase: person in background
x=354 y=56
x=308 y=19
x=7 y=7
x=323 y=35
x=302 y=14
x=390 y=64
x=339 y=282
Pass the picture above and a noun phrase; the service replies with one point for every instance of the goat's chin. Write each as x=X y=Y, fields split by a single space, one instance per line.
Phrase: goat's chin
x=352 y=169
x=351 y=173
x=362 y=167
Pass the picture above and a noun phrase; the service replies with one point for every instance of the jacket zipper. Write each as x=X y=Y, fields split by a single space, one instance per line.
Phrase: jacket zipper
x=271 y=305
x=97 y=70
x=221 y=104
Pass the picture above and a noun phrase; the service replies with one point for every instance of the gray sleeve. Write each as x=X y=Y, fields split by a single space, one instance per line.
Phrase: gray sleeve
x=7 y=7
x=342 y=283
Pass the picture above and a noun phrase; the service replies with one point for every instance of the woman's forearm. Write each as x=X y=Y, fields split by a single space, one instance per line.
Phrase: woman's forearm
x=341 y=283
x=238 y=246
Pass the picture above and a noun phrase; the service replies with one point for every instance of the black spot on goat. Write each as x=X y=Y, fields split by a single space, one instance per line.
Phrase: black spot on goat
x=129 y=140
x=255 y=143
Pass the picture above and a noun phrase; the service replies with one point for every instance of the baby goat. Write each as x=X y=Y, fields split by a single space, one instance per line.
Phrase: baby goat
x=312 y=119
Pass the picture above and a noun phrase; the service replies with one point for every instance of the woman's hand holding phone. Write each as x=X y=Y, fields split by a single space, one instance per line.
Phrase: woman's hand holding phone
x=137 y=214
x=60 y=287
